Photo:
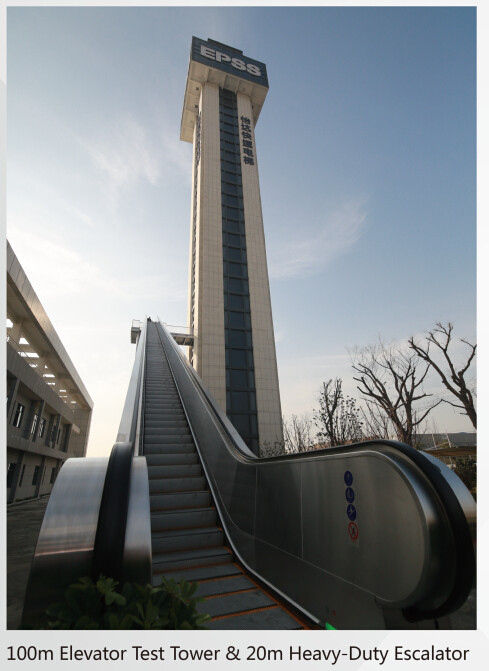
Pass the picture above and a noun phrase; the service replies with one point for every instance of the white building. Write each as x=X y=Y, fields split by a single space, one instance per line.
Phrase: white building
x=229 y=296
x=48 y=407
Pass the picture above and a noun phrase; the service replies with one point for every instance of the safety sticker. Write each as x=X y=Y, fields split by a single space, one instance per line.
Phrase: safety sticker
x=351 y=511
x=353 y=531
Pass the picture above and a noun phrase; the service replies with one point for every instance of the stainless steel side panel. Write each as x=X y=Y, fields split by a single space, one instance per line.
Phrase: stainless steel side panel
x=65 y=544
x=289 y=520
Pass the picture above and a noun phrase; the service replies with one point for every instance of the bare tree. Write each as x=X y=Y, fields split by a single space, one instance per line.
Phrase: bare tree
x=441 y=337
x=338 y=418
x=297 y=434
x=391 y=381
x=376 y=424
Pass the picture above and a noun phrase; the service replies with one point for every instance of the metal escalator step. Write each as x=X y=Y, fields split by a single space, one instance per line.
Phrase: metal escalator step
x=153 y=398
x=224 y=585
x=186 y=539
x=166 y=434
x=153 y=435
x=164 y=416
x=183 y=519
x=174 y=471
x=201 y=572
x=171 y=561
x=161 y=485
x=172 y=459
x=269 y=618
x=236 y=603
x=169 y=448
x=158 y=406
x=163 y=423
x=167 y=413
x=180 y=500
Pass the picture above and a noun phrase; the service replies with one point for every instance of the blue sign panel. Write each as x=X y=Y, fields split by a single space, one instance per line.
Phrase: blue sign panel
x=350 y=495
x=230 y=60
x=348 y=478
x=351 y=512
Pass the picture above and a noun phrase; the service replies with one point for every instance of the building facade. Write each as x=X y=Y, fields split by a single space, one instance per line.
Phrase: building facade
x=48 y=407
x=229 y=296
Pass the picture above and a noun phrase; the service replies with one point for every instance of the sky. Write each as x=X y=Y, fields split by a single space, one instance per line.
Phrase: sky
x=366 y=149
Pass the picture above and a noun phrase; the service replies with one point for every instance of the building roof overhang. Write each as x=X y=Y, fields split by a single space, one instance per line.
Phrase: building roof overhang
x=198 y=75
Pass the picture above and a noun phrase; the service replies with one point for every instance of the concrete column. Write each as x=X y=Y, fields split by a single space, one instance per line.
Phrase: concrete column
x=12 y=397
x=15 y=480
x=40 y=410
x=33 y=406
x=55 y=420
x=67 y=437
x=41 y=473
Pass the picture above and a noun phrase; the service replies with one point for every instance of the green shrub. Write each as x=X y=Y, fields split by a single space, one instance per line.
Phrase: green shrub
x=106 y=605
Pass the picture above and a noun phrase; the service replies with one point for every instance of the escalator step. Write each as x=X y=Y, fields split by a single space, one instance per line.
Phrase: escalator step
x=179 y=500
x=161 y=485
x=204 y=572
x=172 y=459
x=168 y=435
x=224 y=586
x=183 y=519
x=172 y=561
x=236 y=603
x=174 y=471
x=186 y=539
x=170 y=448
x=269 y=618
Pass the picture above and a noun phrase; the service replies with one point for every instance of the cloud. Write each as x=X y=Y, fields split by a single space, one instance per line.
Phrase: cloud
x=125 y=155
x=59 y=271
x=311 y=253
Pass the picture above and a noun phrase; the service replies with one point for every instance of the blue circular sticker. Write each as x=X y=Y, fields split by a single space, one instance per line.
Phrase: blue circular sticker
x=350 y=495
x=348 y=478
x=351 y=511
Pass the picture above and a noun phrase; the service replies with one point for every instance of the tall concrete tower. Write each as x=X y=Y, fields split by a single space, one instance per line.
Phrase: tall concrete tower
x=229 y=295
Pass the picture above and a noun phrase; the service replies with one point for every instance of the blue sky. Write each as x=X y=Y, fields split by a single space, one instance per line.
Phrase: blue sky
x=367 y=159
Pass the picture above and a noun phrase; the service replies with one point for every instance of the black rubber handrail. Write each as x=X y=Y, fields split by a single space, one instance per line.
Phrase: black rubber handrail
x=108 y=551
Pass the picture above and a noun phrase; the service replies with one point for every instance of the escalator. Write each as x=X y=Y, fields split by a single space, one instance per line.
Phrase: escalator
x=368 y=536
x=187 y=539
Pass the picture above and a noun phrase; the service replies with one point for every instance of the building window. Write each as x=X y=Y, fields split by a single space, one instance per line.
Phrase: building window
x=36 y=475
x=34 y=424
x=42 y=426
x=22 y=475
x=53 y=475
x=10 y=473
x=18 y=415
x=53 y=433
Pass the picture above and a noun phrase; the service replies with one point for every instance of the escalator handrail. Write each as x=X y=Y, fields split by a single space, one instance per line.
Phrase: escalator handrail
x=108 y=550
x=130 y=424
x=462 y=537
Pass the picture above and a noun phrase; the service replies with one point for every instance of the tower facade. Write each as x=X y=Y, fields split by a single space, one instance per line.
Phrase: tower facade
x=229 y=296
